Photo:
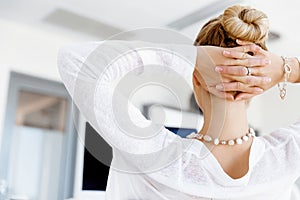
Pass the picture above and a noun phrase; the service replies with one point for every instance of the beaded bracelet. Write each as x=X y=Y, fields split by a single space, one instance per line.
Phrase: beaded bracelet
x=287 y=69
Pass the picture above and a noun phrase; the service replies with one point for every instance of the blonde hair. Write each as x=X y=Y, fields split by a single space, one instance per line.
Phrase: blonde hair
x=237 y=22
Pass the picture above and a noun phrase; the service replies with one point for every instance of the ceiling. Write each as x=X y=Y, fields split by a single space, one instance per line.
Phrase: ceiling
x=99 y=19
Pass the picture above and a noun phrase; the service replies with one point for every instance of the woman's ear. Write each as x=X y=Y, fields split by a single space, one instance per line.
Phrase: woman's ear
x=195 y=79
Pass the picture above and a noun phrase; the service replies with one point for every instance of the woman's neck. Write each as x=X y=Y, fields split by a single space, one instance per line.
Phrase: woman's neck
x=225 y=119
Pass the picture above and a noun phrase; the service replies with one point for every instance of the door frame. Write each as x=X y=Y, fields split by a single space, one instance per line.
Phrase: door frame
x=17 y=82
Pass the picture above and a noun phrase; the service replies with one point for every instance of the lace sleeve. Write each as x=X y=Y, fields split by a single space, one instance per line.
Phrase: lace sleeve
x=285 y=145
x=94 y=75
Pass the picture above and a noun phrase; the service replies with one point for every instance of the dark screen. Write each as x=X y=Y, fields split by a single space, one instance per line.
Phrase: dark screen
x=96 y=152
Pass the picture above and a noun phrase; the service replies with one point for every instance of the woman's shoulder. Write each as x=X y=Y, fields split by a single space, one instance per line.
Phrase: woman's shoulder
x=282 y=149
x=289 y=135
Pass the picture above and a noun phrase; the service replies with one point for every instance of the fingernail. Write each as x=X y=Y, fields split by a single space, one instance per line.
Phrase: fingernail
x=219 y=69
x=219 y=87
x=226 y=52
x=268 y=79
x=267 y=62
x=239 y=98
x=259 y=90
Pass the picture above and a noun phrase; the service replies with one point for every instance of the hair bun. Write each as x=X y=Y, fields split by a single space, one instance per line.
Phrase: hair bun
x=246 y=23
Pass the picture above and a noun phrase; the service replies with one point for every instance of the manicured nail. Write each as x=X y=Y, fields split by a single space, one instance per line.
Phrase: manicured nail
x=219 y=87
x=267 y=62
x=226 y=52
x=258 y=48
x=268 y=79
x=218 y=69
x=259 y=90
x=239 y=98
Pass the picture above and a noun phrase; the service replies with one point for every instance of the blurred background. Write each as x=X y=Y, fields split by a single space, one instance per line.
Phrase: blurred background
x=41 y=157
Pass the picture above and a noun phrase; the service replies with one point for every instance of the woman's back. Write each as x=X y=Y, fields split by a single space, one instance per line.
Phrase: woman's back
x=196 y=174
x=165 y=166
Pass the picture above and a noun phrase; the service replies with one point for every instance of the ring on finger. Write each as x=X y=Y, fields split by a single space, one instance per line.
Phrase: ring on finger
x=249 y=71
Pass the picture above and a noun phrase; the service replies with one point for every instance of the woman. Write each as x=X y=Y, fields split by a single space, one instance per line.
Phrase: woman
x=224 y=160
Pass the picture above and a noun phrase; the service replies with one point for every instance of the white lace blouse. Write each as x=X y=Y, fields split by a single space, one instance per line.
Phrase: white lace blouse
x=150 y=162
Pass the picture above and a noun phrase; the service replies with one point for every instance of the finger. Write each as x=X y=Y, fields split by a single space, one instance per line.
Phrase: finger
x=237 y=54
x=238 y=86
x=244 y=96
x=251 y=80
x=229 y=52
x=255 y=62
x=243 y=42
x=221 y=94
x=232 y=70
x=250 y=62
x=238 y=70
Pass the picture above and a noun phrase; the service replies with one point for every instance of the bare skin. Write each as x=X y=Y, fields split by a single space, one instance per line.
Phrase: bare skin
x=226 y=120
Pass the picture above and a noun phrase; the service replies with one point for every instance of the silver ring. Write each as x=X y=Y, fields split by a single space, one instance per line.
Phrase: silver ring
x=249 y=71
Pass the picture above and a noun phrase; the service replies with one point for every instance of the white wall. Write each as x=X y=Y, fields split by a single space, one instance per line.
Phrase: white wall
x=29 y=50
x=268 y=112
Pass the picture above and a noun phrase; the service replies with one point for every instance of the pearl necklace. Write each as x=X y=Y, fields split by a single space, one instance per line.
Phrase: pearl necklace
x=217 y=141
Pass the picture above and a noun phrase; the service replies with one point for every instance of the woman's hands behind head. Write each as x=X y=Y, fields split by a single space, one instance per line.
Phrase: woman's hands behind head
x=266 y=70
x=231 y=64
x=225 y=74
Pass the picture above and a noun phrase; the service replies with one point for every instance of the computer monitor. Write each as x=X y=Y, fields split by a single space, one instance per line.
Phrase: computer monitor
x=91 y=174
